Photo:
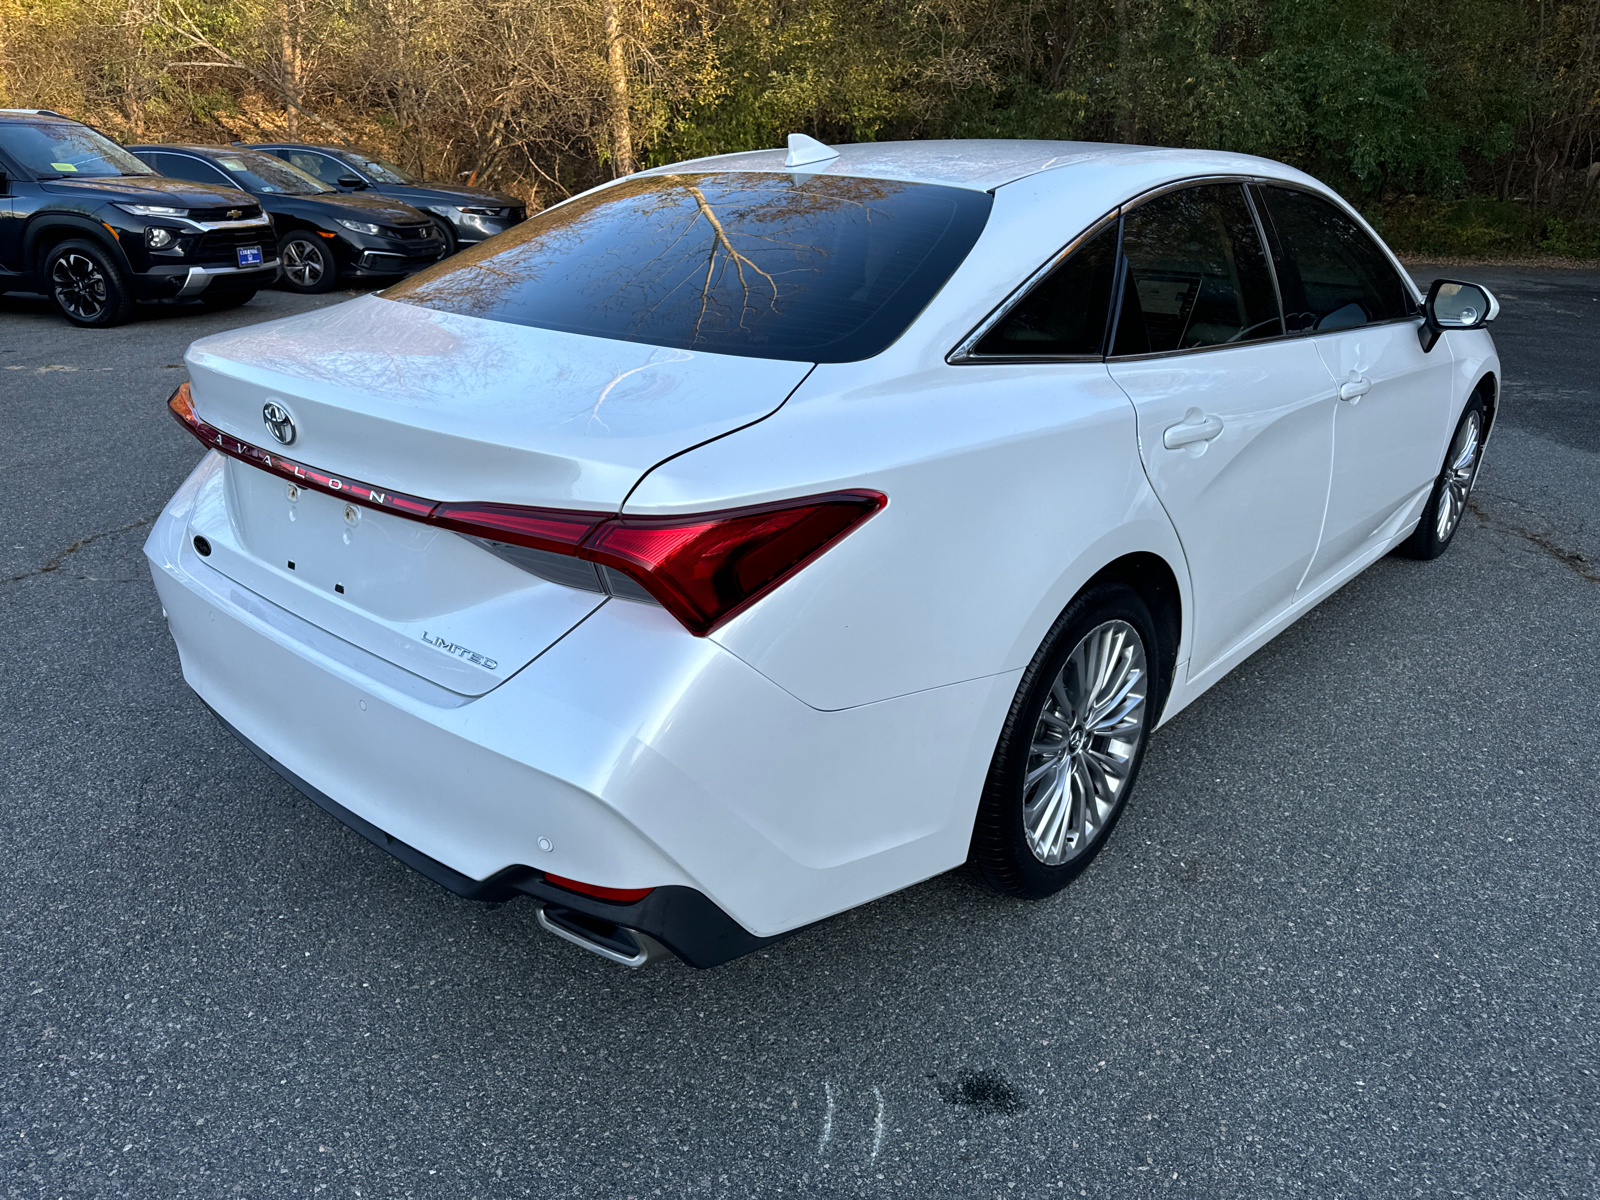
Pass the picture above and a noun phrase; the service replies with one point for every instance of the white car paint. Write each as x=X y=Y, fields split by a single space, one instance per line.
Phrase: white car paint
x=827 y=745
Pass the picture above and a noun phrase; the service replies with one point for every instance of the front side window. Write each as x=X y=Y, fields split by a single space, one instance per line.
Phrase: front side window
x=1332 y=274
x=1065 y=314
x=818 y=268
x=318 y=166
x=67 y=150
x=257 y=172
x=1197 y=274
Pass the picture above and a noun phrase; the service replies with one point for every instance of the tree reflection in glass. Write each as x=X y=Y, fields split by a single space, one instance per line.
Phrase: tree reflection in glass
x=801 y=267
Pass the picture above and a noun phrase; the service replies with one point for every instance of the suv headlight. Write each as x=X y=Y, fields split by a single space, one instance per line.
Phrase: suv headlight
x=478 y=210
x=359 y=226
x=158 y=238
x=151 y=210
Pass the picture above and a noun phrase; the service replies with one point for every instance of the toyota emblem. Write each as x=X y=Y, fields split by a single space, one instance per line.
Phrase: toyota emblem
x=279 y=422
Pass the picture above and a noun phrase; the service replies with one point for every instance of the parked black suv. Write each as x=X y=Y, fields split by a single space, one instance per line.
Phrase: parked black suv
x=93 y=228
x=465 y=215
x=322 y=236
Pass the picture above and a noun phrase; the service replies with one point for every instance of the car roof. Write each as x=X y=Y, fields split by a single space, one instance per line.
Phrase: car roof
x=35 y=114
x=292 y=146
x=187 y=149
x=984 y=164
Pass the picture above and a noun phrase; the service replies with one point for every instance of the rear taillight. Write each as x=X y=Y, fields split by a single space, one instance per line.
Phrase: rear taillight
x=703 y=568
x=706 y=568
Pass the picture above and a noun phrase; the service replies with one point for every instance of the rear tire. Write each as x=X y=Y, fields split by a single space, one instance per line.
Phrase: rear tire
x=308 y=265
x=87 y=285
x=1447 y=503
x=1072 y=745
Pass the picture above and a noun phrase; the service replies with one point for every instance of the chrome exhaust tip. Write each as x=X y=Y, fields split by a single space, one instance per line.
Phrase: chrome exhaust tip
x=617 y=943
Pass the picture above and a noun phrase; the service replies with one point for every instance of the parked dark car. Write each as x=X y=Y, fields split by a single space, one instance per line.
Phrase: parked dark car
x=323 y=236
x=465 y=215
x=92 y=227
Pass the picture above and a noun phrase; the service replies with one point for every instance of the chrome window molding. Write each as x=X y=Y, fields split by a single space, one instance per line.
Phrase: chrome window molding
x=1266 y=341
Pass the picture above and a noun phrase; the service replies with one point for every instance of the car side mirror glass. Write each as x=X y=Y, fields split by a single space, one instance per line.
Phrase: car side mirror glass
x=1452 y=304
x=351 y=181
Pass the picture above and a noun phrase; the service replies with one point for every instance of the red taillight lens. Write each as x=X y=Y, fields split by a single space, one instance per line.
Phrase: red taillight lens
x=616 y=895
x=703 y=568
x=538 y=528
x=706 y=568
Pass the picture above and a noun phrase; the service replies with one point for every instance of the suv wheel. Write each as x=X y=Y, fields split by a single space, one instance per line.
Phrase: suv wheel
x=87 y=285
x=308 y=265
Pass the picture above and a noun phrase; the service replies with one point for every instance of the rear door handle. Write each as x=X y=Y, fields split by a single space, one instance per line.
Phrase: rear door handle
x=1195 y=427
x=1355 y=387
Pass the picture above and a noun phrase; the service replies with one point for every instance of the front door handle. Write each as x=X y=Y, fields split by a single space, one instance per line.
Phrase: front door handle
x=1355 y=387
x=1195 y=427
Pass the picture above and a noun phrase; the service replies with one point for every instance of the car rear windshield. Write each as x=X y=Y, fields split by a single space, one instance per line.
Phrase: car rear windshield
x=811 y=268
x=257 y=172
x=67 y=150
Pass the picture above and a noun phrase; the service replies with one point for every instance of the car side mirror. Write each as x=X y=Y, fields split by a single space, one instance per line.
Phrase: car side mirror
x=351 y=181
x=1452 y=304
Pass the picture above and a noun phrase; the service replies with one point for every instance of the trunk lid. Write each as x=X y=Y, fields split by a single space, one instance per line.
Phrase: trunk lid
x=450 y=408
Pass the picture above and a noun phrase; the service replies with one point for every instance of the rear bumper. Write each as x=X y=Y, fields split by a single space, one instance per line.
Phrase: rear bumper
x=627 y=755
x=680 y=918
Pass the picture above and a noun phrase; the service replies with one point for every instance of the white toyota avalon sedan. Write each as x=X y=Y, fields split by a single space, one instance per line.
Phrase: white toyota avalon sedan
x=746 y=539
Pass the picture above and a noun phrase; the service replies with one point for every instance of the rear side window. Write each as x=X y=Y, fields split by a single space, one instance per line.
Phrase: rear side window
x=1066 y=313
x=183 y=166
x=818 y=268
x=1332 y=274
x=1197 y=274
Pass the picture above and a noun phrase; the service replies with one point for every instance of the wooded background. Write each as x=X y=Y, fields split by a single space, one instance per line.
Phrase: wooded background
x=1464 y=127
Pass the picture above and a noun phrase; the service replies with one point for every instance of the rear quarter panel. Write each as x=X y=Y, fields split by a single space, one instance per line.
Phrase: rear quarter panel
x=1008 y=486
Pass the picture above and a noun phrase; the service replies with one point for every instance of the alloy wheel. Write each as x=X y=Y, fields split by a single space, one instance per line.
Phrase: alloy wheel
x=302 y=263
x=80 y=286
x=1085 y=742
x=1459 y=474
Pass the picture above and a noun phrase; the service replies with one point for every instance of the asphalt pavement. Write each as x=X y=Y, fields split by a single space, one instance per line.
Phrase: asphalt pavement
x=1343 y=943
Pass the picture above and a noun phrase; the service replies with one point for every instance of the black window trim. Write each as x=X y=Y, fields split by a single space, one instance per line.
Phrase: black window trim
x=962 y=354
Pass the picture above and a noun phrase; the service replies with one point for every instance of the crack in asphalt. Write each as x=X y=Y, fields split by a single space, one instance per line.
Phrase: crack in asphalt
x=1584 y=566
x=55 y=563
